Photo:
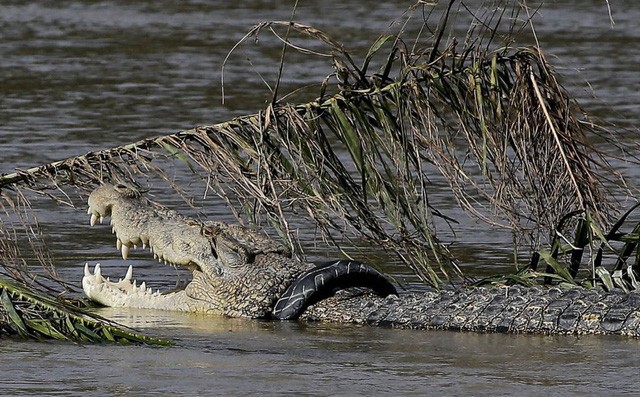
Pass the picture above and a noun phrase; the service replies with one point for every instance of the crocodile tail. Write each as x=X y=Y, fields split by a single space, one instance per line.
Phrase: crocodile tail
x=323 y=281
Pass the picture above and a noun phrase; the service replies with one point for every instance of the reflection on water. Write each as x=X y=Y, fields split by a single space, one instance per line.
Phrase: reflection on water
x=78 y=76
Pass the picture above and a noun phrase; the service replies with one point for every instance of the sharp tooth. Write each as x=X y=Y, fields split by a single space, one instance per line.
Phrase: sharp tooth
x=108 y=279
x=111 y=221
x=101 y=218
x=143 y=286
x=87 y=272
x=113 y=230
x=118 y=244
x=129 y=273
x=96 y=270
x=144 y=245
x=94 y=218
x=134 y=285
x=89 y=211
x=135 y=246
x=125 y=252
x=151 y=250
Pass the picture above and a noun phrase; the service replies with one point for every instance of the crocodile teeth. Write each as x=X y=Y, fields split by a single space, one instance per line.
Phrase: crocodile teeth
x=96 y=271
x=118 y=244
x=129 y=273
x=125 y=251
x=87 y=272
x=89 y=211
x=101 y=218
x=94 y=218
x=143 y=286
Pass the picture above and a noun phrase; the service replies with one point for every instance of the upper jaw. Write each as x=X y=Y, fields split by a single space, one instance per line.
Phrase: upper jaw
x=122 y=246
x=132 y=238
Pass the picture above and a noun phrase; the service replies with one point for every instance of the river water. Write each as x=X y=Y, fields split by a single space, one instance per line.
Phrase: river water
x=77 y=76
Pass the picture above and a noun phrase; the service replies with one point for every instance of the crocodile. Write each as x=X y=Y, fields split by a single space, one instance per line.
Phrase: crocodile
x=239 y=272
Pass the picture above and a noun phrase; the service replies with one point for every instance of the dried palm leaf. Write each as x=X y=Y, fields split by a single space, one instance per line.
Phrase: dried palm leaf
x=358 y=160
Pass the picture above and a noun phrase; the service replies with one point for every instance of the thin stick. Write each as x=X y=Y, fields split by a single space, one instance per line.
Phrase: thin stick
x=557 y=140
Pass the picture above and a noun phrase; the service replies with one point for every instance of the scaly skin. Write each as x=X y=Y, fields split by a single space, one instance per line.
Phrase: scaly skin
x=237 y=272
x=514 y=309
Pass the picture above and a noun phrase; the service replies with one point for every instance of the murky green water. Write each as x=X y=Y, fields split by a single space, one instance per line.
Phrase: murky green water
x=77 y=76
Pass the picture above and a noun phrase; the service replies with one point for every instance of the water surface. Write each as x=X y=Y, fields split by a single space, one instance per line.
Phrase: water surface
x=77 y=76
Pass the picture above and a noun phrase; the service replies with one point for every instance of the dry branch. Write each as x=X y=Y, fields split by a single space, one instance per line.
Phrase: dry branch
x=493 y=122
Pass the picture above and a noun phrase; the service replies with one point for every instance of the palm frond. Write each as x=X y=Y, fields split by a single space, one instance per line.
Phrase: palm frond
x=26 y=313
x=358 y=161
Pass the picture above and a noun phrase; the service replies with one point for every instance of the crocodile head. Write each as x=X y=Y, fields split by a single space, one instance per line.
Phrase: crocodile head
x=236 y=271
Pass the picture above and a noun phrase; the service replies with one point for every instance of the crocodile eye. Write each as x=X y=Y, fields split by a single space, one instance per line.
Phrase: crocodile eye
x=120 y=186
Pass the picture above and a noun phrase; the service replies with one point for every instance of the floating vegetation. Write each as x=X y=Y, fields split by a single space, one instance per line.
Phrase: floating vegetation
x=27 y=313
